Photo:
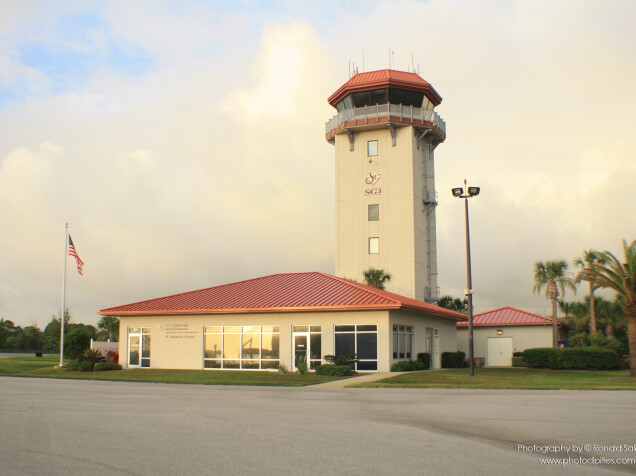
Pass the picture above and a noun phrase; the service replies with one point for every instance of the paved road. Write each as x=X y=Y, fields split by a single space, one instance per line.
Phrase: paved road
x=80 y=427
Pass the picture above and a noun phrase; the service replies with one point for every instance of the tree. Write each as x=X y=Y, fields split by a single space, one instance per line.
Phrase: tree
x=553 y=275
x=610 y=273
x=110 y=324
x=454 y=304
x=77 y=340
x=589 y=257
x=376 y=278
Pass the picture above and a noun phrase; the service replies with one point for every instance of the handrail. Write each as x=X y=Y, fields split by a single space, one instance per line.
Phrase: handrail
x=383 y=110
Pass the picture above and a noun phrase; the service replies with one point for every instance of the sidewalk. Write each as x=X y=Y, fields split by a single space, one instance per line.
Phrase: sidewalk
x=345 y=382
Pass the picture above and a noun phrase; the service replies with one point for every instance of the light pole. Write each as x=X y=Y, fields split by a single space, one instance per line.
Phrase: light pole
x=459 y=193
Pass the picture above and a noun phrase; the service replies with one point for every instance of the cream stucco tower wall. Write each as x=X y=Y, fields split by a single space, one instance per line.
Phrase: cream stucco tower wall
x=385 y=184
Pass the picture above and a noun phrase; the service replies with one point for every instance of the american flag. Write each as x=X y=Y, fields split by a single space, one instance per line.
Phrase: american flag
x=72 y=252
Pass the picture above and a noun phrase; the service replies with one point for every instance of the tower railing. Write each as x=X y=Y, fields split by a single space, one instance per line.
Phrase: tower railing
x=379 y=111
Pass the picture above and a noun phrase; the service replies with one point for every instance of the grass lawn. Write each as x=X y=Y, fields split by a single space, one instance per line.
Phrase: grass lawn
x=511 y=378
x=44 y=367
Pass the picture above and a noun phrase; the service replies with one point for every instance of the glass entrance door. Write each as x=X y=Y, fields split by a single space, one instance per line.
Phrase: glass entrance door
x=134 y=342
x=139 y=347
x=307 y=345
x=300 y=349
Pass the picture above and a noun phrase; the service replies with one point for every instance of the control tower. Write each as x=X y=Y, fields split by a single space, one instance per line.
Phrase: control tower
x=385 y=133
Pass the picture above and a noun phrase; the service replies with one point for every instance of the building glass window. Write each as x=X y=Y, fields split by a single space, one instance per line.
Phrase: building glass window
x=402 y=342
x=372 y=148
x=374 y=212
x=374 y=246
x=236 y=347
x=361 y=340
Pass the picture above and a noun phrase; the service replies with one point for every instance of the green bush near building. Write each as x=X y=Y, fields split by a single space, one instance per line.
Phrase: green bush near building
x=579 y=358
x=105 y=366
x=453 y=360
x=425 y=358
x=407 y=366
x=518 y=361
x=338 y=370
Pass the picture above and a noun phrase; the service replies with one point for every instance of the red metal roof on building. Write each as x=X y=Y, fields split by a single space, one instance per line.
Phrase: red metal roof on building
x=293 y=292
x=383 y=79
x=507 y=316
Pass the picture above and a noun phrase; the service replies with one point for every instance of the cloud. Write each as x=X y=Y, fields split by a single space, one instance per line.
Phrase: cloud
x=208 y=164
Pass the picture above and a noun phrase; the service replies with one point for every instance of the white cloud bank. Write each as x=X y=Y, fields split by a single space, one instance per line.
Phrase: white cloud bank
x=212 y=166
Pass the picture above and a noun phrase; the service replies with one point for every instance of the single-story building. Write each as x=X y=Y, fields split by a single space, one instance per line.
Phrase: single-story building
x=282 y=319
x=499 y=333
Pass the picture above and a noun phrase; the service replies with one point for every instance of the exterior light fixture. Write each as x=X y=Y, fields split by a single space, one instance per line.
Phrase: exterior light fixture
x=459 y=193
x=499 y=332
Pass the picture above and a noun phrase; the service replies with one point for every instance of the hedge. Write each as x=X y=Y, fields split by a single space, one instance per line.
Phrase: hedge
x=583 y=358
x=453 y=360
x=518 y=361
x=339 y=370
x=103 y=366
x=407 y=366
x=425 y=358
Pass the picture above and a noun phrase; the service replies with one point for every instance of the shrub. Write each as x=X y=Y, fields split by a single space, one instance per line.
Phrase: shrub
x=72 y=365
x=93 y=356
x=84 y=366
x=584 y=358
x=282 y=368
x=517 y=354
x=342 y=359
x=339 y=370
x=407 y=366
x=453 y=360
x=302 y=368
x=582 y=339
x=518 y=361
x=425 y=358
x=104 y=366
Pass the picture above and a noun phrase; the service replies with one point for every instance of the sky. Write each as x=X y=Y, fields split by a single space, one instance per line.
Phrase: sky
x=184 y=142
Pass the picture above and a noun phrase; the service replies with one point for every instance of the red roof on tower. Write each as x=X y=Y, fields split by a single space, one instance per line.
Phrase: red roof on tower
x=292 y=292
x=385 y=78
x=508 y=316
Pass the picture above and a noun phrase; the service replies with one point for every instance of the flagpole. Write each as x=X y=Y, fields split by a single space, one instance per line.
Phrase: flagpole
x=63 y=301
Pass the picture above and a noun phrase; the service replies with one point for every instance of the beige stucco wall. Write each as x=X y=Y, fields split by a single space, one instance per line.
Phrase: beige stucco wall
x=177 y=341
x=523 y=337
x=184 y=349
x=447 y=335
x=405 y=225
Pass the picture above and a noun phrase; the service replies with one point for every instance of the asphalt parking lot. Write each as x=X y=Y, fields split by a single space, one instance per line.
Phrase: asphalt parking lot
x=66 y=427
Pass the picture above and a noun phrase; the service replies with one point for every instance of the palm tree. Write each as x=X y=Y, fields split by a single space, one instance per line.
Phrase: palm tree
x=376 y=278
x=621 y=277
x=110 y=324
x=552 y=275
x=567 y=308
x=589 y=257
x=454 y=304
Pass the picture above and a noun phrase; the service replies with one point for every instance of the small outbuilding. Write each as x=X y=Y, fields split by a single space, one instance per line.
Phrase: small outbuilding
x=499 y=333
x=286 y=319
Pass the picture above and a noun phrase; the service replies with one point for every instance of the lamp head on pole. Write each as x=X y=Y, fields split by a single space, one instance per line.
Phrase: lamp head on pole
x=473 y=191
x=458 y=192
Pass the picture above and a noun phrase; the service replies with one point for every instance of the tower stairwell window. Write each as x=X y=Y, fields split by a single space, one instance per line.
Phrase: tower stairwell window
x=372 y=148
x=374 y=212
x=374 y=246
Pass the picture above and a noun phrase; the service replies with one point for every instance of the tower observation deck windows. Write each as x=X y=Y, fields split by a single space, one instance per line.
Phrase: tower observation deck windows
x=382 y=96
